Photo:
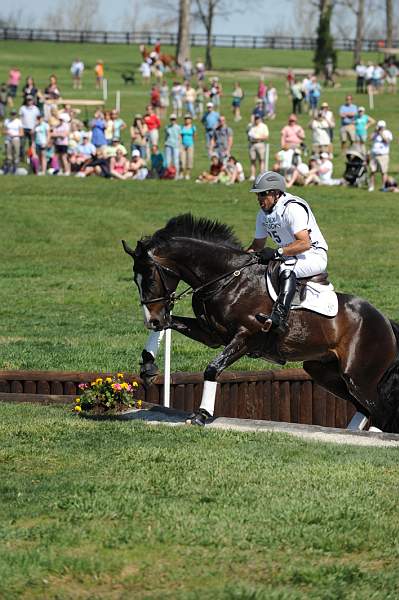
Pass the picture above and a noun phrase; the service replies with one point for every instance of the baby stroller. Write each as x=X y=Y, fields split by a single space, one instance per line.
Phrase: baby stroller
x=356 y=168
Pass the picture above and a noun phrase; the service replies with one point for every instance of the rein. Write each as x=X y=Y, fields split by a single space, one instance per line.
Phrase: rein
x=171 y=297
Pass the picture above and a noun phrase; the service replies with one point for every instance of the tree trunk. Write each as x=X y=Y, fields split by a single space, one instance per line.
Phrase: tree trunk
x=183 y=37
x=325 y=43
x=359 y=32
x=209 y=26
x=389 y=19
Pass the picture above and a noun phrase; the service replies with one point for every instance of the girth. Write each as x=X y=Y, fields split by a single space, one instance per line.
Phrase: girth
x=321 y=278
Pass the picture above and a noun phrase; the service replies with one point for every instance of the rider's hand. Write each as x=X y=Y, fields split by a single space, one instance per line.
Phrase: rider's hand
x=266 y=255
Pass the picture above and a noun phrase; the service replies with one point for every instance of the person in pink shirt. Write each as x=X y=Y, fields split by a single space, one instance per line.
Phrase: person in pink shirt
x=292 y=135
x=60 y=135
x=14 y=77
x=153 y=124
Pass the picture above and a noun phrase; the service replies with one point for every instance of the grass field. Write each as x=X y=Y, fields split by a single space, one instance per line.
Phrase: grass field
x=113 y=510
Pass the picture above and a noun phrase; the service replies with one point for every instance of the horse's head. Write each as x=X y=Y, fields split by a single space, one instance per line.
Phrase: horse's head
x=156 y=282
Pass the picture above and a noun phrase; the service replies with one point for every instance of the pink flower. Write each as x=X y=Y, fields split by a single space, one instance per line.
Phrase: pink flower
x=116 y=386
x=82 y=386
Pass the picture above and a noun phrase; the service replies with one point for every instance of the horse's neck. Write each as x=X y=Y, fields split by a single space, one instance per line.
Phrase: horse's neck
x=198 y=261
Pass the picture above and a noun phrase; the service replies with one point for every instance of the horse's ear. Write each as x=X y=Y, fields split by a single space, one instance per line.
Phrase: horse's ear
x=127 y=248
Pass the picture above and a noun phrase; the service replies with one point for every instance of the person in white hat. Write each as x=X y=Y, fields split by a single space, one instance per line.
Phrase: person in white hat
x=210 y=121
x=380 y=143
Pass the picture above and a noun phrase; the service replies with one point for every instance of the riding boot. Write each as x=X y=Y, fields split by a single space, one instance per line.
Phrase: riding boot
x=277 y=321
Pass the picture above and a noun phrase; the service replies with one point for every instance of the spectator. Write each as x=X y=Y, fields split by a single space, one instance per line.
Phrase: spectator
x=41 y=142
x=189 y=99
x=164 y=97
x=262 y=91
x=378 y=78
x=28 y=114
x=314 y=92
x=138 y=136
x=299 y=174
x=188 y=135
x=210 y=120
x=322 y=173
x=234 y=170
x=118 y=125
x=258 y=111
x=98 y=130
x=97 y=165
x=347 y=112
x=111 y=150
x=369 y=77
x=379 y=154
x=52 y=91
x=119 y=165
x=3 y=100
x=211 y=176
x=177 y=93
x=292 y=135
x=215 y=92
x=258 y=135
x=109 y=127
x=137 y=168
x=159 y=71
x=238 y=96
x=77 y=69
x=99 y=73
x=320 y=134
x=157 y=163
x=145 y=70
x=391 y=77
x=13 y=133
x=187 y=69
x=271 y=101
x=200 y=70
x=284 y=161
x=83 y=153
x=14 y=77
x=29 y=89
x=297 y=96
x=329 y=72
x=361 y=74
x=155 y=99
x=153 y=125
x=362 y=123
x=60 y=135
x=199 y=101
x=172 y=144
x=221 y=140
x=328 y=115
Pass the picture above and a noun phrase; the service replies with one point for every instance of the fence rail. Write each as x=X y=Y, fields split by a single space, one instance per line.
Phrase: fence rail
x=196 y=39
x=287 y=395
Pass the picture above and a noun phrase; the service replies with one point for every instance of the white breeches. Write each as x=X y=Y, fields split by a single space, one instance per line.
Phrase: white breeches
x=308 y=264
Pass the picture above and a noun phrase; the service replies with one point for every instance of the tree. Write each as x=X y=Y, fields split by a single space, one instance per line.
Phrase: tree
x=389 y=21
x=325 y=42
x=183 y=34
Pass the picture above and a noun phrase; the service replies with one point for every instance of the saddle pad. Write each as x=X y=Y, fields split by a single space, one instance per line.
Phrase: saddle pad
x=319 y=298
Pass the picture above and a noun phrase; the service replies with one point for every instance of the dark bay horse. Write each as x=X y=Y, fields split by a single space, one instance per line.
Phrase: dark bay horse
x=353 y=355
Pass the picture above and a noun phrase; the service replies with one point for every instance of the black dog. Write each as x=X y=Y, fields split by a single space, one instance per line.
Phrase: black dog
x=128 y=77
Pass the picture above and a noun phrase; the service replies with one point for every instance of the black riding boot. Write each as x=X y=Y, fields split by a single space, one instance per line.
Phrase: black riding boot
x=279 y=316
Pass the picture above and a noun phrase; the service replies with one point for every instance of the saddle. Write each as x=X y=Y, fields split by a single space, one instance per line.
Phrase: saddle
x=301 y=282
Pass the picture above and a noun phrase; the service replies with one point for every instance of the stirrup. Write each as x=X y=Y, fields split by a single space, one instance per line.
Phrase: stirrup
x=274 y=322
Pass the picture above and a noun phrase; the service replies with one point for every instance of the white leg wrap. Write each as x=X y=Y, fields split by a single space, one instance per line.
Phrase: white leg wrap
x=375 y=429
x=153 y=342
x=358 y=422
x=208 y=396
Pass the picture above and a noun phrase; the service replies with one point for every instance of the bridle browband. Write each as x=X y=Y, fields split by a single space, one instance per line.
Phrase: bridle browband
x=170 y=298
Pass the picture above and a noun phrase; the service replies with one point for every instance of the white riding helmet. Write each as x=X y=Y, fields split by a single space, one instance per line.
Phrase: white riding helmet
x=267 y=181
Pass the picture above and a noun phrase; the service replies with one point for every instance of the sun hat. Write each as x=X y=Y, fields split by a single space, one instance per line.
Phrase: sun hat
x=188 y=116
x=135 y=152
x=173 y=116
x=381 y=124
x=361 y=108
x=209 y=105
x=324 y=105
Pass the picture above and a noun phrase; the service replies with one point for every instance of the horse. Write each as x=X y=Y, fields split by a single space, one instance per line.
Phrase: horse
x=354 y=355
x=167 y=60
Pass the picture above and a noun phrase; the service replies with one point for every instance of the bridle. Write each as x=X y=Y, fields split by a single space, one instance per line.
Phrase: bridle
x=170 y=297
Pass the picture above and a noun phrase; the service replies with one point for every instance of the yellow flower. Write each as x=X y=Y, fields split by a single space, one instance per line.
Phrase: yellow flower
x=139 y=403
x=120 y=375
x=135 y=384
x=78 y=408
x=77 y=400
x=108 y=379
x=93 y=383
x=124 y=385
x=99 y=380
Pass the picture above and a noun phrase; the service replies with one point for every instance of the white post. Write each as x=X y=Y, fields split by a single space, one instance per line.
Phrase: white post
x=267 y=157
x=371 y=98
x=105 y=90
x=166 y=380
x=118 y=101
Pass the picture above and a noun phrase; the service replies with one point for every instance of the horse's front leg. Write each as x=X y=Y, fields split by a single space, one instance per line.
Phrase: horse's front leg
x=232 y=352
x=192 y=329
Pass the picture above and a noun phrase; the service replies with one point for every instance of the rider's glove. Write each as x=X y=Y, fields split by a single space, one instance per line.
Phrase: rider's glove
x=268 y=254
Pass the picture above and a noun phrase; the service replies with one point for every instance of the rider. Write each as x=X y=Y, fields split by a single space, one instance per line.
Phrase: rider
x=302 y=249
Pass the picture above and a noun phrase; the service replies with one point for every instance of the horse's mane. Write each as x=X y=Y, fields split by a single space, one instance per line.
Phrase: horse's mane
x=197 y=228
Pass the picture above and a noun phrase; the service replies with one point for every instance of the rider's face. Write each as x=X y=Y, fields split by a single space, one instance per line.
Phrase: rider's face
x=266 y=200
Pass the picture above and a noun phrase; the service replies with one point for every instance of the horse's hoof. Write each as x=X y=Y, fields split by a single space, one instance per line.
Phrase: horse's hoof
x=148 y=373
x=200 y=418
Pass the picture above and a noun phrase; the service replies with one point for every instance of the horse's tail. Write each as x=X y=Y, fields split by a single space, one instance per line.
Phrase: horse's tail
x=388 y=391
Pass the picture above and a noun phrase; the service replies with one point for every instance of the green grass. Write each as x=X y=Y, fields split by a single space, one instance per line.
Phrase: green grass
x=116 y=510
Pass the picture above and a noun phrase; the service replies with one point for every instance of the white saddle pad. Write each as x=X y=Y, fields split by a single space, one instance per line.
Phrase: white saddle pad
x=321 y=299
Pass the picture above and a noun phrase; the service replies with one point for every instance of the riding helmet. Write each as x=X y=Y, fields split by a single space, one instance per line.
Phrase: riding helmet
x=269 y=180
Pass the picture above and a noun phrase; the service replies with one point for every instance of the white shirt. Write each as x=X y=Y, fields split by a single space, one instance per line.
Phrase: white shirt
x=380 y=143
x=240 y=172
x=285 y=157
x=290 y=215
x=370 y=72
x=325 y=171
x=361 y=70
x=29 y=116
x=145 y=69
x=258 y=133
x=13 y=126
x=77 y=68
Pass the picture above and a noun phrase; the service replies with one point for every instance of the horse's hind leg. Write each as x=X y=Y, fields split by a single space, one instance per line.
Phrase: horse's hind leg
x=329 y=377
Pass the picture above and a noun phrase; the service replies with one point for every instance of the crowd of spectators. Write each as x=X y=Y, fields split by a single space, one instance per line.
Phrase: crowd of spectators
x=54 y=139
